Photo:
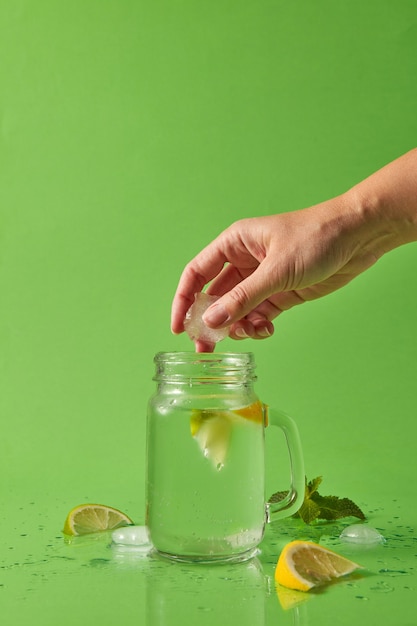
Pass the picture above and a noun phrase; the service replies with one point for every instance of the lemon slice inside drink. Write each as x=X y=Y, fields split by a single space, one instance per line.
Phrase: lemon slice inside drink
x=212 y=429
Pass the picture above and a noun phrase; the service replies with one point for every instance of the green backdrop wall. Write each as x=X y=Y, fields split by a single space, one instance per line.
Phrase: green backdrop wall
x=131 y=133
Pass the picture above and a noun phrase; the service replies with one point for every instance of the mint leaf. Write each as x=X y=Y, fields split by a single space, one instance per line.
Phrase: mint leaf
x=277 y=497
x=309 y=511
x=313 y=485
x=316 y=506
x=332 y=507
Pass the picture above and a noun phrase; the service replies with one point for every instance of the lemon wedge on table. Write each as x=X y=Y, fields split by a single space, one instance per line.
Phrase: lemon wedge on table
x=212 y=429
x=92 y=518
x=303 y=565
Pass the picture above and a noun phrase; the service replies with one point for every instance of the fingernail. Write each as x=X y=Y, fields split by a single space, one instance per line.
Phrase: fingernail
x=240 y=332
x=216 y=315
x=263 y=332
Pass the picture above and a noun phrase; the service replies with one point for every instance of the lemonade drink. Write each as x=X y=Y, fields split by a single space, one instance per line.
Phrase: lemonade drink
x=205 y=485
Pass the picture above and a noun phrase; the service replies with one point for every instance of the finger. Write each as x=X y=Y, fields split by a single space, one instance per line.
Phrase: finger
x=257 y=327
x=227 y=279
x=243 y=329
x=263 y=329
x=204 y=346
x=179 y=308
x=201 y=270
x=241 y=300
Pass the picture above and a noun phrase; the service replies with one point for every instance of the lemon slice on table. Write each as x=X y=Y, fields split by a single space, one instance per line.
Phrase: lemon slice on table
x=303 y=565
x=92 y=518
x=212 y=429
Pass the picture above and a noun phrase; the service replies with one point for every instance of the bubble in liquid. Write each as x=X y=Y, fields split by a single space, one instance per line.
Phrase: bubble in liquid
x=132 y=536
x=194 y=325
x=361 y=534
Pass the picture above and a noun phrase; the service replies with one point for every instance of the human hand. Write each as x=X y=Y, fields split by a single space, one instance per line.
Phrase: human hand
x=263 y=266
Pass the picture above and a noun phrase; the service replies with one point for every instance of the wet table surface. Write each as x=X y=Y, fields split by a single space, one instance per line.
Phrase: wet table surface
x=48 y=579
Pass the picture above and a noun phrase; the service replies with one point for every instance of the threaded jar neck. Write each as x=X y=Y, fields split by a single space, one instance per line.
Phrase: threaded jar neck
x=220 y=368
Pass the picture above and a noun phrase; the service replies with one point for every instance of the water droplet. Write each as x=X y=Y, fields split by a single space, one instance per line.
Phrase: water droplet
x=393 y=572
x=99 y=562
x=382 y=587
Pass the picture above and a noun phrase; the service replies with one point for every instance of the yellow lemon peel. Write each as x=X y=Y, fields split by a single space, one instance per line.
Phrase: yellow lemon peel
x=303 y=565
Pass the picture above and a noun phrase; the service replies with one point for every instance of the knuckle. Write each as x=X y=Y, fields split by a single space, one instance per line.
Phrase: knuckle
x=239 y=296
x=193 y=276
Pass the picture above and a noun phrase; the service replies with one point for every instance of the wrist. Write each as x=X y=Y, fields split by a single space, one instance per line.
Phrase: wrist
x=385 y=204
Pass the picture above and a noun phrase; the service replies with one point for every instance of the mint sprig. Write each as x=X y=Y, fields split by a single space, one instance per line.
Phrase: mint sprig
x=316 y=506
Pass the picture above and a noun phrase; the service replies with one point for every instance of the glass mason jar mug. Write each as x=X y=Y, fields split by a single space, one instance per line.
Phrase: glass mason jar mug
x=205 y=484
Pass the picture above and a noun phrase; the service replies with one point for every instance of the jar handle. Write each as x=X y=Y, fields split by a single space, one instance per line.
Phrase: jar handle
x=295 y=496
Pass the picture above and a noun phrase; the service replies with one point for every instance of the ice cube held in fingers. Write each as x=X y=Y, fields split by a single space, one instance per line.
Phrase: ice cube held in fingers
x=194 y=326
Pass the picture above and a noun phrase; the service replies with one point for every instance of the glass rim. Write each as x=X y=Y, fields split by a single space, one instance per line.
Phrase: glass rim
x=190 y=356
x=226 y=366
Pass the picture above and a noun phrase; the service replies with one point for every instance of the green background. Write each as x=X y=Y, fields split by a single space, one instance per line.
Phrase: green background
x=131 y=134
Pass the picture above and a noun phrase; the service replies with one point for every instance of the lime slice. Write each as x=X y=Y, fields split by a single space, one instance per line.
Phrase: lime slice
x=92 y=518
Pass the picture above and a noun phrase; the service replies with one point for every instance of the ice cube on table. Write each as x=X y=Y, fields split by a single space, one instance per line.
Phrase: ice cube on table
x=361 y=534
x=194 y=326
x=132 y=536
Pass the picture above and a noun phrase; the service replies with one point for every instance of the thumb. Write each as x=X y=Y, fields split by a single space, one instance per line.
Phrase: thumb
x=240 y=300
